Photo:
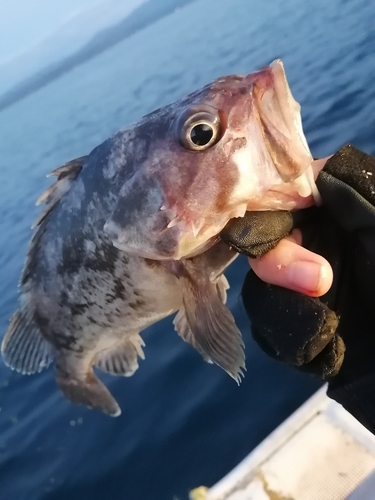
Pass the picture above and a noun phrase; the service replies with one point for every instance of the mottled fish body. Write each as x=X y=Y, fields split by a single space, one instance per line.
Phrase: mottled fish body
x=129 y=233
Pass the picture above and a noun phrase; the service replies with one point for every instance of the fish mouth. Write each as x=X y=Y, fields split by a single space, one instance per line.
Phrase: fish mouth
x=161 y=236
x=174 y=250
x=281 y=127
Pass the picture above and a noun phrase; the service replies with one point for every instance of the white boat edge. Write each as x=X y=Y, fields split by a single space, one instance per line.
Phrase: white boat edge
x=309 y=415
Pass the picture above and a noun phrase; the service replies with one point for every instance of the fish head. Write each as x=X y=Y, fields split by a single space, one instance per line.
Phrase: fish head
x=233 y=146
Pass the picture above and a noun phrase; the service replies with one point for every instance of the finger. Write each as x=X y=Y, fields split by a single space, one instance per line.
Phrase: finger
x=292 y=266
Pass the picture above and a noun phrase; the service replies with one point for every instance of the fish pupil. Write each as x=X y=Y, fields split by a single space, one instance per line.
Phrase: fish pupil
x=201 y=134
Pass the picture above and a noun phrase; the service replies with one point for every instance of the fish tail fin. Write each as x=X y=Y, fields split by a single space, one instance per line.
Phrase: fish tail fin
x=87 y=390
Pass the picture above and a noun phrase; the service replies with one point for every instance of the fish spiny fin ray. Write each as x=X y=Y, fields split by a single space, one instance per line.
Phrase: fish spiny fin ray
x=52 y=195
x=122 y=359
x=23 y=348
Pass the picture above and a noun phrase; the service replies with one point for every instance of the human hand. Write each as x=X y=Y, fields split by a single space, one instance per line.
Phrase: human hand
x=286 y=262
x=292 y=324
x=279 y=257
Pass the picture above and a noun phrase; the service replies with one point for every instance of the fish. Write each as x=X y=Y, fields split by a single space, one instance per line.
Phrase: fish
x=130 y=233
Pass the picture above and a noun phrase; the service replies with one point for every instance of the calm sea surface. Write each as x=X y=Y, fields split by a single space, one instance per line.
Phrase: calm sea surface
x=184 y=423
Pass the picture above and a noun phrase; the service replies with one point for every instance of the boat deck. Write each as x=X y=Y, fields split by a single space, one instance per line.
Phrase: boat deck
x=319 y=453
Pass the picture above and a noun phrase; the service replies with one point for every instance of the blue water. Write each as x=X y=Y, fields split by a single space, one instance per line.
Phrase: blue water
x=184 y=423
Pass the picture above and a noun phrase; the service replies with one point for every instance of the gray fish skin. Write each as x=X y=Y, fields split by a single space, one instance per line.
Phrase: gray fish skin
x=85 y=297
x=83 y=294
x=129 y=235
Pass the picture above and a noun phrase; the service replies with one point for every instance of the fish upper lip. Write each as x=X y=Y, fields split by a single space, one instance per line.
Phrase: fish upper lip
x=273 y=85
x=280 y=121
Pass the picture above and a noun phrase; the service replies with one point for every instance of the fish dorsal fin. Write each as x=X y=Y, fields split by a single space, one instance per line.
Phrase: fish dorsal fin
x=210 y=326
x=23 y=348
x=122 y=359
x=52 y=195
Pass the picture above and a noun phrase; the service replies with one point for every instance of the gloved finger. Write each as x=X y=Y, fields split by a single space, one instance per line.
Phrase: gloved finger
x=329 y=361
x=257 y=232
x=292 y=266
x=299 y=327
x=326 y=363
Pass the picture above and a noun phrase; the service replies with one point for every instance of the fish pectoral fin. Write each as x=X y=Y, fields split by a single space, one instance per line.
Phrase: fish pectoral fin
x=86 y=389
x=182 y=327
x=23 y=348
x=122 y=359
x=213 y=326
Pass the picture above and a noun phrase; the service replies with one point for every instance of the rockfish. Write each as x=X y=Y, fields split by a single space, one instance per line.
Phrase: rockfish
x=130 y=233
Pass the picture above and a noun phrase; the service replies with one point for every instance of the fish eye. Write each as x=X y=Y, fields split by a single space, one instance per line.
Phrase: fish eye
x=199 y=127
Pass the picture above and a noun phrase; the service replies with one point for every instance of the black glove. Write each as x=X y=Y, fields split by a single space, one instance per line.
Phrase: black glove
x=332 y=337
